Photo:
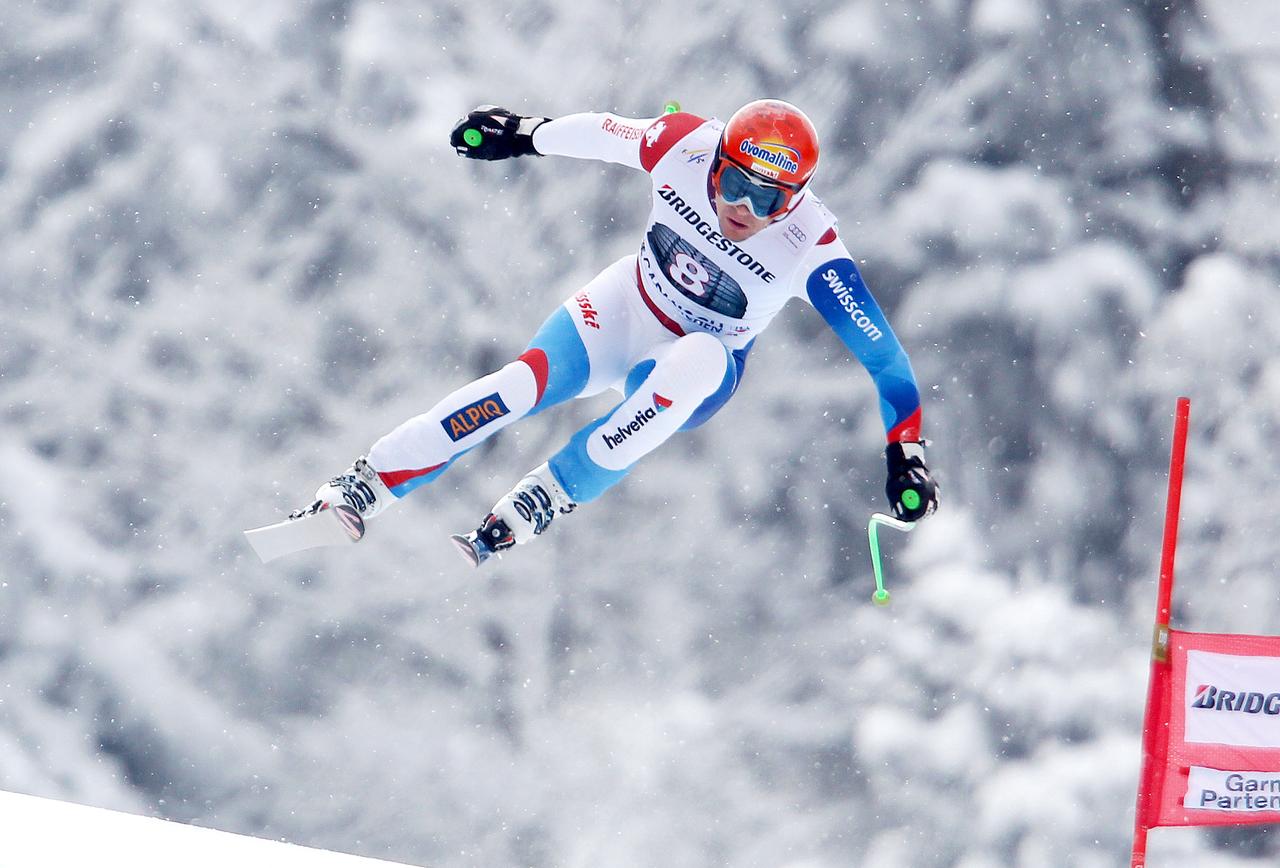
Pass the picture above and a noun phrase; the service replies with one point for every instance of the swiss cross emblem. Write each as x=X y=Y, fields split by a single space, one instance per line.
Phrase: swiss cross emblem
x=654 y=133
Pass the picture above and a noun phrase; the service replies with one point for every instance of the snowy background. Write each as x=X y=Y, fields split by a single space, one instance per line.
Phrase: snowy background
x=235 y=249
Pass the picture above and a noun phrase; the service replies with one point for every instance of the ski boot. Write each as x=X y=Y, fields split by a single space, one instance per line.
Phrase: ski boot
x=522 y=514
x=360 y=488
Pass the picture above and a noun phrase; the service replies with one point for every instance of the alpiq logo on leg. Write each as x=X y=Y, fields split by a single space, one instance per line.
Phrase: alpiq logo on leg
x=474 y=416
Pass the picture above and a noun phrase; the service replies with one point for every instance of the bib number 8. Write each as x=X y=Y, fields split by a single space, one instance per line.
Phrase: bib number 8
x=689 y=274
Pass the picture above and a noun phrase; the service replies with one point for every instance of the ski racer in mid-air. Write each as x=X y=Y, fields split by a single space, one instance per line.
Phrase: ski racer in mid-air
x=734 y=233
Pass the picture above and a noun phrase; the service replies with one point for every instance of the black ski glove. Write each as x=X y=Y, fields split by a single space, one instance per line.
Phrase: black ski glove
x=493 y=133
x=911 y=490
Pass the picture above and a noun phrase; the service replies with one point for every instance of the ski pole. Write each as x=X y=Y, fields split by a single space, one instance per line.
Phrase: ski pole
x=881 y=597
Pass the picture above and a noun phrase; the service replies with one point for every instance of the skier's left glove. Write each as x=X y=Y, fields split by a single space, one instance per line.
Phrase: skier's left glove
x=493 y=133
x=911 y=490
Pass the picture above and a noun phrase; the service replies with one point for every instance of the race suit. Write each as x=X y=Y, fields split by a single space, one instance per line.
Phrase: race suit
x=669 y=326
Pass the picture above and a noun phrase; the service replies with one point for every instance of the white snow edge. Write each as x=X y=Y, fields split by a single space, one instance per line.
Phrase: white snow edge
x=44 y=833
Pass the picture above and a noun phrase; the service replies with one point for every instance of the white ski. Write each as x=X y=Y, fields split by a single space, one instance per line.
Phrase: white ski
x=335 y=526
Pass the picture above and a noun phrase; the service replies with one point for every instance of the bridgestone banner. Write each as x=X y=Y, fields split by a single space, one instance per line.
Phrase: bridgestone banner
x=1217 y=710
x=1233 y=699
x=1211 y=729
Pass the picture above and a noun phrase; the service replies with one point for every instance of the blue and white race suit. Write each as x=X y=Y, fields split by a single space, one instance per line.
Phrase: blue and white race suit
x=669 y=326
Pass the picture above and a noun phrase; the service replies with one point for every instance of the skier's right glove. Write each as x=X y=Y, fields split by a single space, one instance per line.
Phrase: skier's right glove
x=493 y=133
x=911 y=490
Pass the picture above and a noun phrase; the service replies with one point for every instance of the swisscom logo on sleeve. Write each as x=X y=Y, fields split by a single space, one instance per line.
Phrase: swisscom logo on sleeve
x=1233 y=699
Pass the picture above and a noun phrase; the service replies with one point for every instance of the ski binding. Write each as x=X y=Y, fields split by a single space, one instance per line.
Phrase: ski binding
x=472 y=547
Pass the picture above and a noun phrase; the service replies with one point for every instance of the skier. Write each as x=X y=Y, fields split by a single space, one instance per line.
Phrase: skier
x=733 y=234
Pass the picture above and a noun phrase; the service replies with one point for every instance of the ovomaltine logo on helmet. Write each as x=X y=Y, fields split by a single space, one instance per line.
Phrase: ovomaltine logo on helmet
x=787 y=159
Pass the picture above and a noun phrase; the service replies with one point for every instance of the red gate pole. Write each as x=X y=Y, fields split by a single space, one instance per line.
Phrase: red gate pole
x=1155 y=744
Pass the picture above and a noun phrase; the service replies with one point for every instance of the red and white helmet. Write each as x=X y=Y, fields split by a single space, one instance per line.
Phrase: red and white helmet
x=775 y=145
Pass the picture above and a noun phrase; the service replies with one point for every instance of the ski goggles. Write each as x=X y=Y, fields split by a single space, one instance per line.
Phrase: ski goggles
x=738 y=185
